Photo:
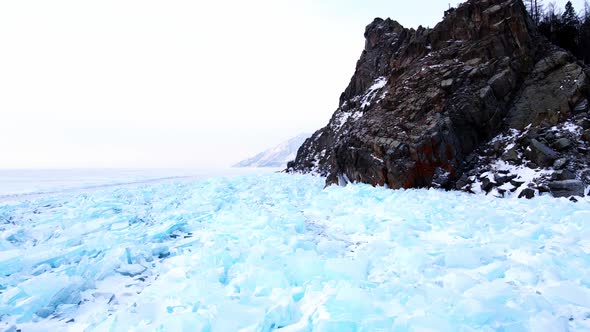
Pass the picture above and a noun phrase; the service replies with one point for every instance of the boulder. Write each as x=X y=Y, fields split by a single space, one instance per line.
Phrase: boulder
x=501 y=179
x=446 y=84
x=541 y=154
x=562 y=143
x=563 y=175
x=502 y=83
x=511 y=155
x=567 y=188
x=487 y=185
x=559 y=163
x=463 y=182
x=527 y=193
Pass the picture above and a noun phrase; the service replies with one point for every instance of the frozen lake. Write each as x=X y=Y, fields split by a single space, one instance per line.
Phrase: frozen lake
x=20 y=182
x=280 y=252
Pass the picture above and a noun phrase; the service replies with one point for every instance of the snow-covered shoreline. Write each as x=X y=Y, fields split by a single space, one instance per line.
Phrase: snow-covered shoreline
x=280 y=252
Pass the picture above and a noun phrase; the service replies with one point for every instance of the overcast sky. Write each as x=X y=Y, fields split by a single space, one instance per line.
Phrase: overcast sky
x=175 y=84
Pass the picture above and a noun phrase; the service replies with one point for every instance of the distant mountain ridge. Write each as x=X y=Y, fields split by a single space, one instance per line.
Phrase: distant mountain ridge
x=277 y=156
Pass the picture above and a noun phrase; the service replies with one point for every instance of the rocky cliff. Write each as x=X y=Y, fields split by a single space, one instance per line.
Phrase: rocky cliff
x=481 y=103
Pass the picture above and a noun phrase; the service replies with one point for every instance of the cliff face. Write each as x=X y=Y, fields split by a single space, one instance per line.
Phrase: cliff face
x=440 y=107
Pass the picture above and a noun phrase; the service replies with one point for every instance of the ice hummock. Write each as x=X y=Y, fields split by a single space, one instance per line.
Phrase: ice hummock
x=280 y=252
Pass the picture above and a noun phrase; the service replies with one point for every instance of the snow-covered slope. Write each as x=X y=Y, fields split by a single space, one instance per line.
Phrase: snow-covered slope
x=281 y=253
x=278 y=156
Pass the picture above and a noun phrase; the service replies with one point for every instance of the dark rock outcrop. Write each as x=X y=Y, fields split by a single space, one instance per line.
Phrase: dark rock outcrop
x=567 y=188
x=540 y=154
x=527 y=193
x=449 y=106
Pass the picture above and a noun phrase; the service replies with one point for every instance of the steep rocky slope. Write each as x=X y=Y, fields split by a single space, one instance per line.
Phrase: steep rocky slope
x=481 y=102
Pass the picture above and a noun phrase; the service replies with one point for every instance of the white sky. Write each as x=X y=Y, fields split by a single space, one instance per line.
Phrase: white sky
x=175 y=84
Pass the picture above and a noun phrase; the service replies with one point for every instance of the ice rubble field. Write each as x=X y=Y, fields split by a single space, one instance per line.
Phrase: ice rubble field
x=279 y=252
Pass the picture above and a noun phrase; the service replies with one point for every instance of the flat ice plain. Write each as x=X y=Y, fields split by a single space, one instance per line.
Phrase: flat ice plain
x=279 y=252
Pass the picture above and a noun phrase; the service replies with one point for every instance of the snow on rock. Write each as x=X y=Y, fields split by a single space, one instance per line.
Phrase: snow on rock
x=343 y=117
x=277 y=156
x=534 y=161
x=281 y=252
x=345 y=114
x=571 y=127
x=520 y=173
x=372 y=91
